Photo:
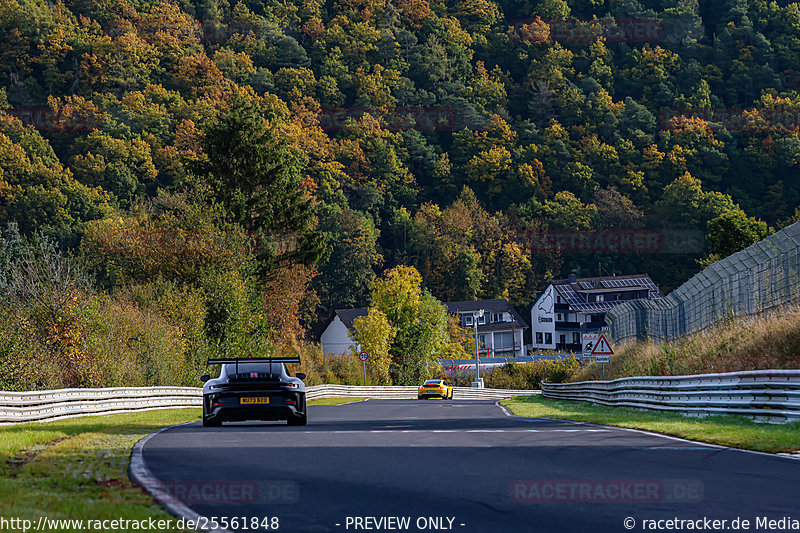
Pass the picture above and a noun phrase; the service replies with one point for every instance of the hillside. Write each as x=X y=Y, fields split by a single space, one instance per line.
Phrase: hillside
x=446 y=135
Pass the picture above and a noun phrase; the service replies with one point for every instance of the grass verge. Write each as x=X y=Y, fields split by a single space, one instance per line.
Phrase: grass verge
x=766 y=342
x=78 y=468
x=734 y=431
x=335 y=401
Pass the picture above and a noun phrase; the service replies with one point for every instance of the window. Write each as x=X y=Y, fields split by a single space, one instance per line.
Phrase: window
x=500 y=317
x=467 y=320
x=576 y=337
x=503 y=339
x=600 y=298
x=558 y=300
x=548 y=338
x=482 y=319
x=482 y=340
x=562 y=339
x=560 y=317
x=538 y=337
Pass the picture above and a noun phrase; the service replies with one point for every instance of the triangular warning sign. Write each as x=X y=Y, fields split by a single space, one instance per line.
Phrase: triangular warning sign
x=602 y=347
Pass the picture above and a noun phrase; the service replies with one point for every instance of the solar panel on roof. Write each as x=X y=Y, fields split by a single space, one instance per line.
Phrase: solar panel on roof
x=572 y=298
x=578 y=303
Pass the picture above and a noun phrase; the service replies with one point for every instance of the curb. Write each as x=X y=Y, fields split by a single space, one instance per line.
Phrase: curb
x=784 y=455
x=142 y=476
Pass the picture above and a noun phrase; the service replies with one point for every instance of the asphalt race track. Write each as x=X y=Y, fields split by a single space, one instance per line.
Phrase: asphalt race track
x=466 y=466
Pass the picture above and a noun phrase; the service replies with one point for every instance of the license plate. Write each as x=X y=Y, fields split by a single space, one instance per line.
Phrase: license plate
x=255 y=399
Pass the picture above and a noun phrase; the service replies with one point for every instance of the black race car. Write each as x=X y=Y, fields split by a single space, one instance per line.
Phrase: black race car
x=254 y=389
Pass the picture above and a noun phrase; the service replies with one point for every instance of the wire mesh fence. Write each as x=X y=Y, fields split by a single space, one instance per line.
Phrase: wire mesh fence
x=759 y=278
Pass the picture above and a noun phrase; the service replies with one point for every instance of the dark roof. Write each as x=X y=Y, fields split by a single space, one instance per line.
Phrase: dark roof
x=574 y=291
x=348 y=315
x=604 y=281
x=498 y=305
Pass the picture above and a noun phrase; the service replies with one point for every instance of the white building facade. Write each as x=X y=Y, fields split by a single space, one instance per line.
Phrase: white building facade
x=568 y=308
x=335 y=338
x=500 y=328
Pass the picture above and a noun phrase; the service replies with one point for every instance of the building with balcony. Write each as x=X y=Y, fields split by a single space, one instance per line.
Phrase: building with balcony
x=569 y=307
x=500 y=329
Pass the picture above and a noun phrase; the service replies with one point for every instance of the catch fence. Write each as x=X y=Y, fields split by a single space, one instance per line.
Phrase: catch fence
x=762 y=277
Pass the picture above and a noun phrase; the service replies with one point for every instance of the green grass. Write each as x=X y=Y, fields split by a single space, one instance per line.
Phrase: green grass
x=734 y=431
x=335 y=401
x=78 y=468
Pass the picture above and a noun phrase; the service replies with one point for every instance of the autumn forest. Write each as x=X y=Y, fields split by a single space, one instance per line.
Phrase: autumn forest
x=203 y=176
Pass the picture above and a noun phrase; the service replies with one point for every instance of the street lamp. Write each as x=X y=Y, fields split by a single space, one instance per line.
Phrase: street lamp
x=478 y=382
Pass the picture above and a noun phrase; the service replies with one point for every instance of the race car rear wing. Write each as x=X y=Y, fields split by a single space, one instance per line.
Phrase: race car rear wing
x=234 y=360
x=237 y=360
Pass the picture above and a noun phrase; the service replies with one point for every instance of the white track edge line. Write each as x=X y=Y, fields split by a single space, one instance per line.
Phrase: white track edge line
x=345 y=403
x=503 y=408
x=783 y=455
x=141 y=475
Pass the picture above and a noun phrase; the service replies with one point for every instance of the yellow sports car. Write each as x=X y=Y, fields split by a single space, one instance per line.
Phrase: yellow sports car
x=435 y=388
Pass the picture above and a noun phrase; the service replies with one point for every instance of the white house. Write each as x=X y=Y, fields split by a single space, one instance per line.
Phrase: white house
x=335 y=338
x=569 y=307
x=500 y=329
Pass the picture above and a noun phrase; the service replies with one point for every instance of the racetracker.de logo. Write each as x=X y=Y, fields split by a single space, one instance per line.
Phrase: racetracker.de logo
x=396 y=119
x=632 y=241
x=48 y=119
x=231 y=492
x=576 y=30
x=605 y=491
x=737 y=120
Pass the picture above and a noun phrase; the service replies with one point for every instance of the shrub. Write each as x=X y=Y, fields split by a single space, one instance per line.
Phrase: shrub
x=526 y=376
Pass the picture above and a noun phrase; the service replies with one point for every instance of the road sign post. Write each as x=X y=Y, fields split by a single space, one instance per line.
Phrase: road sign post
x=478 y=382
x=602 y=353
x=364 y=356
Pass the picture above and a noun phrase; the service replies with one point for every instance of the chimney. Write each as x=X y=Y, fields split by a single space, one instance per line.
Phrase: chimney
x=572 y=277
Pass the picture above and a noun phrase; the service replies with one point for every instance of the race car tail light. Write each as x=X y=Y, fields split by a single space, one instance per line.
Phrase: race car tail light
x=290 y=402
x=291 y=385
x=218 y=404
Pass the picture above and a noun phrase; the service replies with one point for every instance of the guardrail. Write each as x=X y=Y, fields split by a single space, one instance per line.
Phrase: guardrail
x=762 y=394
x=66 y=403
x=409 y=392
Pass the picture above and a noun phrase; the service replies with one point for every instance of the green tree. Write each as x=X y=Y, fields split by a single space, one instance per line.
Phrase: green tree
x=345 y=278
x=257 y=177
x=733 y=231
x=419 y=322
x=686 y=203
x=375 y=334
